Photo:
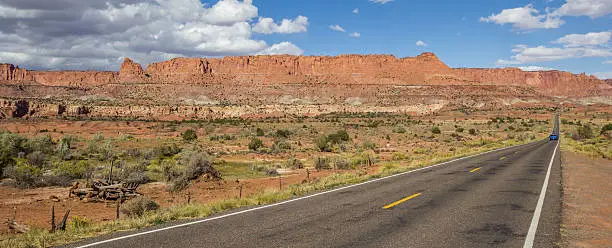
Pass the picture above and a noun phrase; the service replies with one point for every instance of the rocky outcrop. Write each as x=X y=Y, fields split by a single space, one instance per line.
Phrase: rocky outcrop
x=9 y=72
x=551 y=83
x=131 y=72
x=75 y=78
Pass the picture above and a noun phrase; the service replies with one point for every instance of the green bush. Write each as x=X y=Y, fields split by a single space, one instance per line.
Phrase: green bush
x=294 y=163
x=459 y=130
x=436 y=130
x=24 y=175
x=399 y=129
x=138 y=206
x=321 y=143
x=280 y=146
x=369 y=145
x=472 y=131
x=189 y=135
x=10 y=147
x=342 y=164
x=73 y=169
x=42 y=144
x=37 y=159
x=606 y=128
x=583 y=132
x=336 y=138
x=283 y=133
x=255 y=144
x=260 y=132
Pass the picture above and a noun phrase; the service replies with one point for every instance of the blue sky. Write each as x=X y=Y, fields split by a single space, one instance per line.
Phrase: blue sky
x=570 y=35
x=451 y=29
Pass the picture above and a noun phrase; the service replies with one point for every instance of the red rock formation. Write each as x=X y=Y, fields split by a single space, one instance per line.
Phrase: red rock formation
x=424 y=69
x=131 y=72
x=552 y=83
x=9 y=72
x=75 y=78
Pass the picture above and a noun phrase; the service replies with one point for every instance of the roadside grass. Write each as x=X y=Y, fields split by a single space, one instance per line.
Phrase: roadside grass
x=598 y=147
x=82 y=229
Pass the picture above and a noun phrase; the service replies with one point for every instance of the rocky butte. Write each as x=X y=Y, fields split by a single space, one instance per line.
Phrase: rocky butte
x=254 y=85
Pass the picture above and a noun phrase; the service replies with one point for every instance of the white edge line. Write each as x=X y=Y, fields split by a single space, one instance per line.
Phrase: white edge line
x=536 y=214
x=296 y=199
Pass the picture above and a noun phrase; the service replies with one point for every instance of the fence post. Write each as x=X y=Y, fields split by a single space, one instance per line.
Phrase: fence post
x=280 y=182
x=240 y=194
x=307 y=174
x=53 y=219
x=117 y=209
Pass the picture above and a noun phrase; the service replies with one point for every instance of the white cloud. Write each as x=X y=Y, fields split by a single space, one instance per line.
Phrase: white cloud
x=282 y=48
x=524 y=18
x=337 y=28
x=421 y=43
x=530 y=18
x=355 y=34
x=356 y=11
x=589 y=39
x=525 y=54
x=603 y=75
x=93 y=34
x=535 y=68
x=608 y=62
x=591 y=8
x=381 y=1
x=267 y=26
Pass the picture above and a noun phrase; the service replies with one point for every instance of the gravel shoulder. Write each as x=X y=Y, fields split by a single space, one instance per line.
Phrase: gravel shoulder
x=587 y=201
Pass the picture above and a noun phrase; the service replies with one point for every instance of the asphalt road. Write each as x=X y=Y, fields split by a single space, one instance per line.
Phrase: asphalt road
x=488 y=200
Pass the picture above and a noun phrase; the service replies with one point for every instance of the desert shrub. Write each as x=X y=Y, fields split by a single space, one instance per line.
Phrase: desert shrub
x=189 y=135
x=342 y=164
x=294 y=163
x=78 y=223
x=321 y=143
x=37 y=158
x=280 y=146
x=336 y=138
x=63 y=147
x=399 y=129
x=42 y=144
x=472 y=131
x=138 y=206
x=369 y=145
x=93 y=145
x=221 y=137
x=399 y=156
x=459 y=130
x=197 y=164
x=10 y=147
x=73 y=169
x=436 y=130
x=321 y=163
x=255 y=144
x=260 y=132
x=583 y=132
x=283 y=133
x=24 y=175
x=134 y=173
x=169 y=170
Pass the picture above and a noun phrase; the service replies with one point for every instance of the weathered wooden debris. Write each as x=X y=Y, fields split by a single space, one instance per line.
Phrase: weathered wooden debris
x=103 y=190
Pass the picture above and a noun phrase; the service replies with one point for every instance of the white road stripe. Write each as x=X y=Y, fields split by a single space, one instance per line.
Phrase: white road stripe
x=536 y=215
x=288 y=201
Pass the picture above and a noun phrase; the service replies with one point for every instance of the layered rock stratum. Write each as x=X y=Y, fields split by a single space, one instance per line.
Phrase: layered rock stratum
x=204 y=88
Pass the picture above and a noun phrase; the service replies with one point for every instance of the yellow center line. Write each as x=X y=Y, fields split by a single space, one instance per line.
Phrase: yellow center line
x=400 y=201
x=475 y=170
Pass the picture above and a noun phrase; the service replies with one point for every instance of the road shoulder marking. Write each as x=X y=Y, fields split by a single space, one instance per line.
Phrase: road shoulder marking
x=538 y=211
x=475 y=170
x=402 y=200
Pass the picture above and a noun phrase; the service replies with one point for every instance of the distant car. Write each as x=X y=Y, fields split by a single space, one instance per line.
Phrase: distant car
x=554 y=137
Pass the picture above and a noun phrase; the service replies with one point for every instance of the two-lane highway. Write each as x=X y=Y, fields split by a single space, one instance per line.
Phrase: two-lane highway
x=489 y=200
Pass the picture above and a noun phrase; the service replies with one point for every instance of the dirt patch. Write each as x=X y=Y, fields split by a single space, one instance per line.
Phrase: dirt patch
x=34 y=205
x=587 y=201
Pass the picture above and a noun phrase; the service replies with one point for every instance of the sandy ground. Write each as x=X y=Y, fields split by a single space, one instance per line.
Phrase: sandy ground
x=587 y=203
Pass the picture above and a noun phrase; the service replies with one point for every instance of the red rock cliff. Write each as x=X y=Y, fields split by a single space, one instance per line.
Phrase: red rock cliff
x=9 y=72
x=131 y=72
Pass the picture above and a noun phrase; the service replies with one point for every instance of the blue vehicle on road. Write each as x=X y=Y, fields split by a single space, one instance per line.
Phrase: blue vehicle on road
x=554 y=137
